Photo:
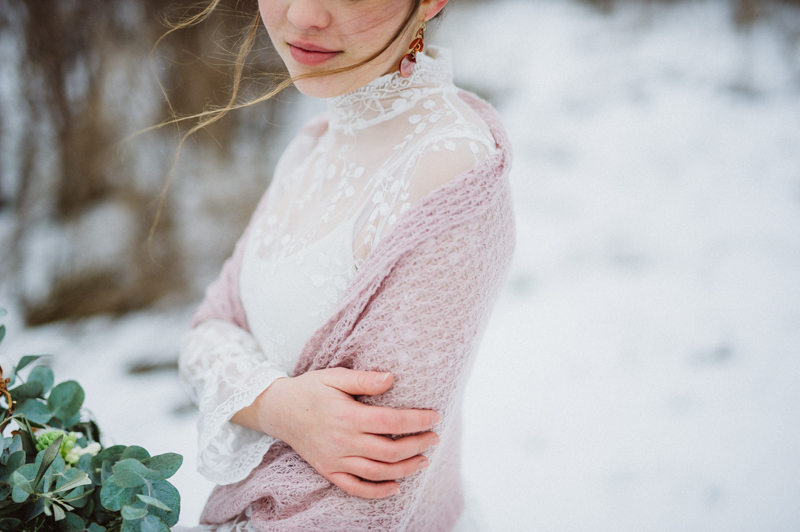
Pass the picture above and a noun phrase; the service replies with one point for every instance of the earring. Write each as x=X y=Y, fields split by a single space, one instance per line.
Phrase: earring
x=409 y=60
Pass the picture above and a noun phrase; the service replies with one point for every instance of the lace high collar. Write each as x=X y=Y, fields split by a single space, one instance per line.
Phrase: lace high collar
x=390 y=95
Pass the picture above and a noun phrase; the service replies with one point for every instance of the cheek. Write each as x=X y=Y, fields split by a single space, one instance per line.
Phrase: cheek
x=272 y=14
x=371 y=30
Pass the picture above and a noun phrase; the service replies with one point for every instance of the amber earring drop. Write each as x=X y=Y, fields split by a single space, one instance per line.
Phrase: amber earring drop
x=409 y=60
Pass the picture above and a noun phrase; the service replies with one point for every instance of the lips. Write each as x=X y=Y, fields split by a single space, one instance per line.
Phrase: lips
x=310 y=54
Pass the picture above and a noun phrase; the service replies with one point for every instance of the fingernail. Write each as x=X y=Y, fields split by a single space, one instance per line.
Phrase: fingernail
x=394 y=491
x=435 y=442
x=381 y=379
x=437 y=420
x=423 y=465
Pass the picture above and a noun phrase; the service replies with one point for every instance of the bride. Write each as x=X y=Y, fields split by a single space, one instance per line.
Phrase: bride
x=329 y=358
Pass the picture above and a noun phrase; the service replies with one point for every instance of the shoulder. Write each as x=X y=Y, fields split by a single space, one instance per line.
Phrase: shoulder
x=464 y=135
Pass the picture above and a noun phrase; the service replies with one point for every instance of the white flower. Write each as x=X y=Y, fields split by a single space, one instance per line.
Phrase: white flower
x=76 y=452
x=7 y=366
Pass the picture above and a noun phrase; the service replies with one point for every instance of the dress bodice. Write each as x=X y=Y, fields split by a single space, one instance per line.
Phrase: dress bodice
x=286 y=299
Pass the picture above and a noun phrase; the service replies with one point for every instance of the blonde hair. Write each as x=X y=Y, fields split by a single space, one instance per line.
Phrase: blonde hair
x=242 y=50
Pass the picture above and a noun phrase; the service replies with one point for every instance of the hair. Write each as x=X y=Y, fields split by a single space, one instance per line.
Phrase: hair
x=242 y=49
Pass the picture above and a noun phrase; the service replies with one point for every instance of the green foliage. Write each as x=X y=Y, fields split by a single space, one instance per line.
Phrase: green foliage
x=55 y=475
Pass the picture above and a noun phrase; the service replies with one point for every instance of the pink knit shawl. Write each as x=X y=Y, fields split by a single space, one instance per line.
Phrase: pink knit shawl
x=417 y=308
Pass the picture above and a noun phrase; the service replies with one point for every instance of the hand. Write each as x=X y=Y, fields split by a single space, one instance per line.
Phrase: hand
x=340 y=437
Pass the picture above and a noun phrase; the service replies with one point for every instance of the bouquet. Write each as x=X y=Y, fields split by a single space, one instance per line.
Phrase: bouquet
x=55 y=474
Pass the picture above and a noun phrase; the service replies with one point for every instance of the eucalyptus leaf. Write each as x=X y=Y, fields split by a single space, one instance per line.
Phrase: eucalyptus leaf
x=73 y=523
x=79 y=498
x=35 y=410
x=27 y=390
x=27 y=359
x=129 y=525
x=35 y=509
x=65 y=400
x=16 y=444
x=71 y=422
x=3 y=312
x=5 y=490
x=48 y=456
x=94 y=527
x=106 y=472
x=166 y=493
x=2 y=332
x=84 y=464
x=129 y=512
x=130 y=473
x=166 y=464
x=20 y=487
x=151 y=523
x=154 y=502
x=44 y=375
x=15 y=461
x=112 y=454
x=9 y=523
x=135 y=452
x=113 y=497
x=28 y=471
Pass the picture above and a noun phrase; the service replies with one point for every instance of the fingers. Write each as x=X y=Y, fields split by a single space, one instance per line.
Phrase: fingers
x=383 y=449
x=362 y=488
x=382 y=420
x=381 y=471
x=356 y=382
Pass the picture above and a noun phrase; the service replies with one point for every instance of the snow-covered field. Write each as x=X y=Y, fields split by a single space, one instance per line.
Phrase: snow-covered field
x=642 y=368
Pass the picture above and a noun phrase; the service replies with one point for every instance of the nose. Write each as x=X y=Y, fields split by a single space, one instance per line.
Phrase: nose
x=308 y=14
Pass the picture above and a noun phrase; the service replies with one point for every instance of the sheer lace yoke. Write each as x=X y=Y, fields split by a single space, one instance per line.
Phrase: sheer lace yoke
x=386 y=146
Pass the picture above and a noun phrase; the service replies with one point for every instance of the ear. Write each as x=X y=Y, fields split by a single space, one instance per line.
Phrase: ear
x=431 y=8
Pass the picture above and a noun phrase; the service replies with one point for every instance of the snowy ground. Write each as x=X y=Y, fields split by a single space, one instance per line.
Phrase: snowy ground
x=642 y=369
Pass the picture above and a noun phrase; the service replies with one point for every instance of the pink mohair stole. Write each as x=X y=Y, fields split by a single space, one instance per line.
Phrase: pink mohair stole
x=417 y=308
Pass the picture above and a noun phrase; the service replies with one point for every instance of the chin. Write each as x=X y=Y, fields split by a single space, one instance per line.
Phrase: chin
x=319 y=88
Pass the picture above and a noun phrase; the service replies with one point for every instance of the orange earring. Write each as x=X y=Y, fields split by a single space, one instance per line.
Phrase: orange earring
x=409 y=60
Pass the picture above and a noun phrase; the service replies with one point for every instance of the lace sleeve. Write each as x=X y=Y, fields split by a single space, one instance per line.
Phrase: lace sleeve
x=223 y=370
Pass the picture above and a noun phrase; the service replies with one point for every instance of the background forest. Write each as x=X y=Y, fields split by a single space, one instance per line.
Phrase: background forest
x=641 y=371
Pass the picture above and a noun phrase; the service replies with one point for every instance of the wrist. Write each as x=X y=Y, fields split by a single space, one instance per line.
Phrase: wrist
x=263 y=413
x=268 y=410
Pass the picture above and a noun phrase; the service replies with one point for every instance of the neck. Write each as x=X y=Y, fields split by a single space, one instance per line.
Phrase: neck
x=391 y=95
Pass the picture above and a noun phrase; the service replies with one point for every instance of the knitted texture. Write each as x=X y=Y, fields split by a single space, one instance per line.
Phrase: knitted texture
x=417 y=308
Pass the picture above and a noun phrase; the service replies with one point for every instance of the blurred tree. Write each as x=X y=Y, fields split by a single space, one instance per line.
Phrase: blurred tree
x=75 y=80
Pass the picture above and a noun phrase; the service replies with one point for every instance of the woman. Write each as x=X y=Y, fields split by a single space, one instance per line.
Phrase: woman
x=330 y=356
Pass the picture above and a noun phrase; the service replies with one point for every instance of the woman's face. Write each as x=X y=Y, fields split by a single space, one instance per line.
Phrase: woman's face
x=323 y=35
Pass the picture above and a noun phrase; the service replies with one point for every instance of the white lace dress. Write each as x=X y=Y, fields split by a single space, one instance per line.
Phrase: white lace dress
x=336 y=192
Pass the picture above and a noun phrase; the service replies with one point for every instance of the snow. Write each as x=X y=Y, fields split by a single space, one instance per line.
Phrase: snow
x=641 y=369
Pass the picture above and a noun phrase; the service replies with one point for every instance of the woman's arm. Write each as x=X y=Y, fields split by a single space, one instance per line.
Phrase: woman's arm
x=341 y=438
